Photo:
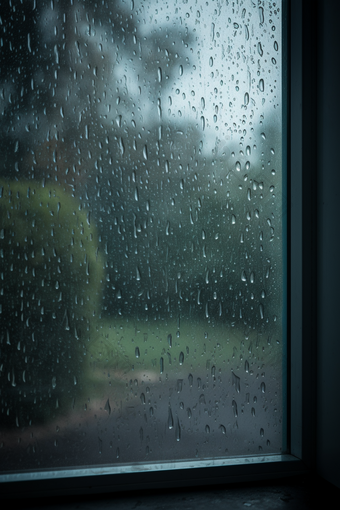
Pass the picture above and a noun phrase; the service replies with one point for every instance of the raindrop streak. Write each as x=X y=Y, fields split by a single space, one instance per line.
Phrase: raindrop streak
x=181 y=358
x=145 y=152
x=107 y=407
x=121 y=146
x=246 y=32
x=161 y=365
x=137 y=352
x=170 y=419
x=212 y=31
x=178 y=430
x=170 y=340
x=234 y=406
x=261 y=311
x=222 y=429
x=236 y=382
x=159 y=75
x=261 y=15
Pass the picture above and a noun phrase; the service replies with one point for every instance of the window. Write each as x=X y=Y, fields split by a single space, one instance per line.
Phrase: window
x=143 y=299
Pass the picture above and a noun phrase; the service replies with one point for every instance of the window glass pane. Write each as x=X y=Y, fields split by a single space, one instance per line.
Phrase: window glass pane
x=141 y=277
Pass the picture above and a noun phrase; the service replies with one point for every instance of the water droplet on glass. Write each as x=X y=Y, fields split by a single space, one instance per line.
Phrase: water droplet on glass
x=170 y=419
x=121 y=146
x=261 y=15
x=145 y=152
x=222 y=429
x=261 y=311
x=236 y=382
x=246 y=32
x=107 y=407
x=170 y=340
x=178 y=431
x=234 y=407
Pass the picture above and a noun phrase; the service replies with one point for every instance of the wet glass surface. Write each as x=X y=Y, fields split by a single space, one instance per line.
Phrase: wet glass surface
x=142 y=278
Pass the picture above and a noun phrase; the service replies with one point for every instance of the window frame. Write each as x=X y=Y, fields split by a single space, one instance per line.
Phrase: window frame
x=300 y=21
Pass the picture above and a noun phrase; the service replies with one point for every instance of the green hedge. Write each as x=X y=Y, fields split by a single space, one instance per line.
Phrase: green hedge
x=51 y=273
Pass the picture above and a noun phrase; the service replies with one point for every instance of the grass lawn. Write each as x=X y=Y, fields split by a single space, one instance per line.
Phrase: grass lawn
x=124 y=348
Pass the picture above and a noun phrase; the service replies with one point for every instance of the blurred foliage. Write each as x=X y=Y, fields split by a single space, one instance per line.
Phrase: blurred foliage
x=148 y=225
x=51 y=290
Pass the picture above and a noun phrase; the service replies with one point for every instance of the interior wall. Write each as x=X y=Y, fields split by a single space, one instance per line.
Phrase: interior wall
x=328 y=225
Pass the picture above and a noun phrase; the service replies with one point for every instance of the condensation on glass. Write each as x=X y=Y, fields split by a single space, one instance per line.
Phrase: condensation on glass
x=141 y=277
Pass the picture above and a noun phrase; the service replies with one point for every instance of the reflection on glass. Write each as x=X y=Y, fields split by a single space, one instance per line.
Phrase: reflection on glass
x=141 y=232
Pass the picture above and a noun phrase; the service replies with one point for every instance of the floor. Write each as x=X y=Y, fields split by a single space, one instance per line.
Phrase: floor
x=293 y=493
